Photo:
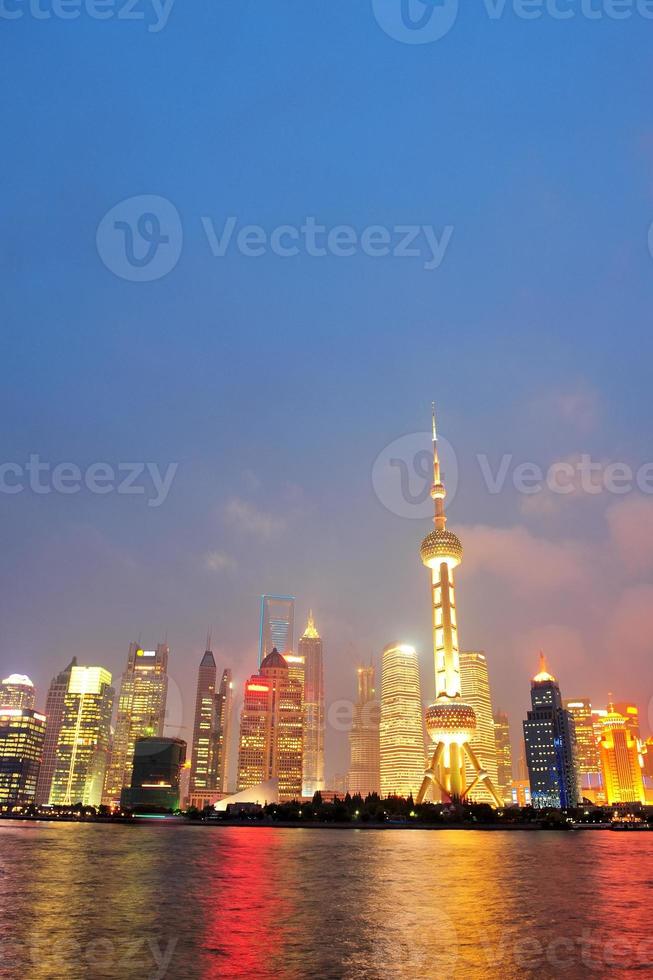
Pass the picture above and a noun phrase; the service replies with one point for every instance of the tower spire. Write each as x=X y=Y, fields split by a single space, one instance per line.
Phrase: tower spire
x=311 y=632
x=438 y=492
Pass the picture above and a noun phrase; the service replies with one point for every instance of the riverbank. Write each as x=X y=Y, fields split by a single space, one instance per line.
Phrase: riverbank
x=182 y=821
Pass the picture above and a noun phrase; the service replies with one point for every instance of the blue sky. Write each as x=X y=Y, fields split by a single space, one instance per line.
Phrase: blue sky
x=275 y=382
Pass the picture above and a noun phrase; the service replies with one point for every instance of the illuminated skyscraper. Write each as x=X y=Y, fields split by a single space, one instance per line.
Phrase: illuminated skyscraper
x=271 y=722
x=619 y=749
x=83 y=744
x=504 y=755
x=475 y=690
x=17 y=691
x=202 y=769
x=310 y=648
x=141 y=713
x=402 y=725
x=450 y=721
x=364 y=749
x=22 y=732
x=223 y=716
x=54 y=706
x=630 y=712
x=276 y=629
x=587 y=748
x=550 y=744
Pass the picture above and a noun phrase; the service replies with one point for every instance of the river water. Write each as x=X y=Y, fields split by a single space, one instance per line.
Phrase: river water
x=194 y=901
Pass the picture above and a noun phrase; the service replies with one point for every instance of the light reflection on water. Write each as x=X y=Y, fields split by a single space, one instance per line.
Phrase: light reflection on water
x=178 y=901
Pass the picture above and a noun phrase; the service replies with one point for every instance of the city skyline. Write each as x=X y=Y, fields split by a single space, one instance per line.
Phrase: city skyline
x=231 y=698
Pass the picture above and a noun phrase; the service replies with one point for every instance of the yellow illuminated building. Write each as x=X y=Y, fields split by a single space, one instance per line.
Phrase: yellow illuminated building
x=310 y=648
x=475 y=690
x=83 y=745
x=620 y=760
x=141 y=713
x=16 y=691
x=270 y=745
x=588 y=758
x=450 y=720
x=587 y=742
x=22 y=731
x=504 y=756
x=401 y=732
x=630 y=712
x=364 y=775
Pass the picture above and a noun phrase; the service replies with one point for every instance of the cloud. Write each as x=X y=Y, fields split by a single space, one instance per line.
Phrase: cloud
x=578 y=406
x=562 y=645
x=245 y=517
x=631 y=531
x=526 y=563
x=218 y=561
x=629 y=638
x=576 y=477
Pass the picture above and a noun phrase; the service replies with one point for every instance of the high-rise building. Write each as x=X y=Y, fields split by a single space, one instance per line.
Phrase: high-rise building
x=588 y=760
x=276 y=628
x=141 y=713
x=364 y=746
x=83 y=744
x=450 y=720
x=22 y=732
x=619 y=749
x=271 y=723
x=54 y=706
x=310 y=648
x=630 y=712
x=202 y=769
x=17 y=691
x=550 y=744
x=587 y=747
x=504 y=755
x=475 y=690
x=155 y=774
x=401 y=733
x=223 y=716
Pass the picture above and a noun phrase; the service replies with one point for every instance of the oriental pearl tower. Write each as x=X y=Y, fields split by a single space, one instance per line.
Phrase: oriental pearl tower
x=450 y=722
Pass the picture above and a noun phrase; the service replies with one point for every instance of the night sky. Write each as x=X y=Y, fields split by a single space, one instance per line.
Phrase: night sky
x=274 y=382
